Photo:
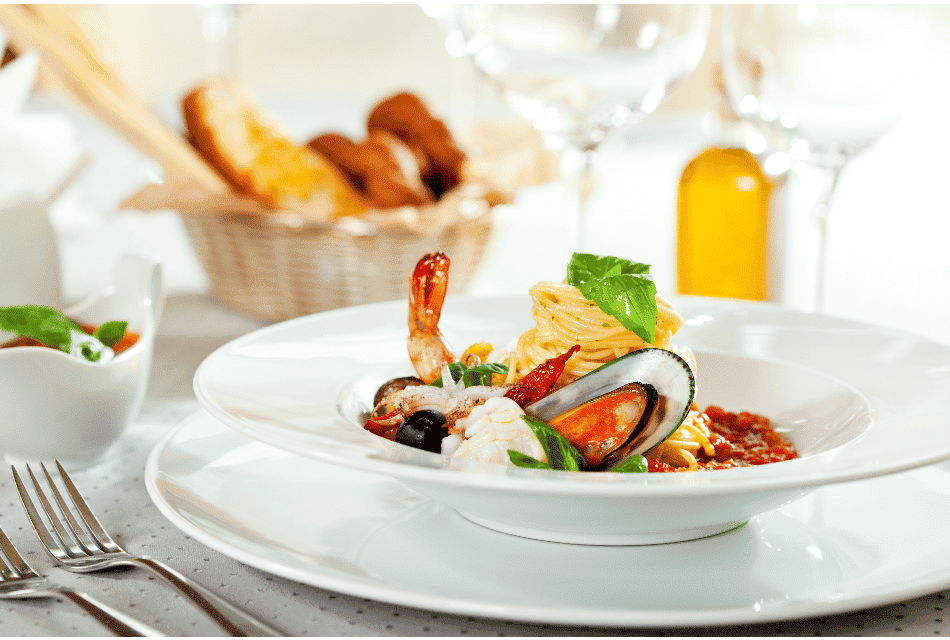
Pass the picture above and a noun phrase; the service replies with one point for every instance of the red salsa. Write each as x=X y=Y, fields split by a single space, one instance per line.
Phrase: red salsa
x=739 y=440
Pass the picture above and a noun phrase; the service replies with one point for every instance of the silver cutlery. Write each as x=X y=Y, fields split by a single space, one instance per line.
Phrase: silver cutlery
x=86 y=547
x=18 y=580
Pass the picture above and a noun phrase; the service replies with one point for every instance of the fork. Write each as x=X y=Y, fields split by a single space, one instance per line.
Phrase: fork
x=19 y=580
x=88 y=548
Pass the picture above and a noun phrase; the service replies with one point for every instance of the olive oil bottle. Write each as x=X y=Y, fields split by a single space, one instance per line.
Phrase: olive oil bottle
x=723 y=208
x=722 y=225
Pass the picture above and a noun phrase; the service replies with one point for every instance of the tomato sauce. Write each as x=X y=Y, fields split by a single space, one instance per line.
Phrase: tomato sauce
x=739 y=440
x=129 y=339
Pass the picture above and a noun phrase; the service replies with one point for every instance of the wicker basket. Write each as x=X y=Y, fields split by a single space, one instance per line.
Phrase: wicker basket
x=278 y=266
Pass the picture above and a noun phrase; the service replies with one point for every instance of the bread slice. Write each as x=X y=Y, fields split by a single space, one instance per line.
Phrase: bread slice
x=249 y=149
x=382 y=168
x=405 y=116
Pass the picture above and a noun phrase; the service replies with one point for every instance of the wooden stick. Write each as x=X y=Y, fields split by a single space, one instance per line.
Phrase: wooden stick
x=111 y=103
x=58 y=19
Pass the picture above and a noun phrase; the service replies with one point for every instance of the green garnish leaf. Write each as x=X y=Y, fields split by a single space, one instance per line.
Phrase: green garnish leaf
x=621 y=288
x=587 y=266
x=481 y=374
x=561 y=454
x=525 y=461
x=478 y=375
x=110 y=332
x=44 y=324
x=633 y=464
x=456 y=369
x=55 y=329
x=89 y=353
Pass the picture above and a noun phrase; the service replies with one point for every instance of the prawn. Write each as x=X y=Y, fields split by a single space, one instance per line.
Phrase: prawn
x=428 y=350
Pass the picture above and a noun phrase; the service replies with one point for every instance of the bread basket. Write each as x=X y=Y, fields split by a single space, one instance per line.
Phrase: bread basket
x=279 y=266
x=276 y=264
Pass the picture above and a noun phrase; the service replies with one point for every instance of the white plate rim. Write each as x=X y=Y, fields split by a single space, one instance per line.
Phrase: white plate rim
x=807 y=472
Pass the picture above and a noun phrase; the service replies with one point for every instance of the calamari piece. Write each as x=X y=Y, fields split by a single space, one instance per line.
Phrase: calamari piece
x=490 y=430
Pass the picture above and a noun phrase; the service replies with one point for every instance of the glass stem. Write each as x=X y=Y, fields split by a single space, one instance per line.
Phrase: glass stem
x=821 y=211
x=218 y=29
x=577 y=172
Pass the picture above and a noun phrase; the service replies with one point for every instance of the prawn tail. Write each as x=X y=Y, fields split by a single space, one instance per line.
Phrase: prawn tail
x=428 y=351
x=427 y=288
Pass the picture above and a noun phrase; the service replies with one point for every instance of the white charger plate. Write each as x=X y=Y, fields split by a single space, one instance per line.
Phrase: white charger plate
x=845 y=547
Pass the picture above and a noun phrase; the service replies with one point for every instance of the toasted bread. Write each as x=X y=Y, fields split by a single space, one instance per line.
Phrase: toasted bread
x=382 y=168
x=406 y=116
x=247 y=147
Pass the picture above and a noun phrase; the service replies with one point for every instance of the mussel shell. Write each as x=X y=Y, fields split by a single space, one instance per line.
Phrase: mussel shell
x=665 y=371
x=396 y=384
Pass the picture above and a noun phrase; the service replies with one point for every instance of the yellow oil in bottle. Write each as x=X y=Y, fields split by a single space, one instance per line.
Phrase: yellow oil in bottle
x=722 y=225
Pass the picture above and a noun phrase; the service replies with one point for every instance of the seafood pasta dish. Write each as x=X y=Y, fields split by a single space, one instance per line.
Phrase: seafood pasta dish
x=597 y=384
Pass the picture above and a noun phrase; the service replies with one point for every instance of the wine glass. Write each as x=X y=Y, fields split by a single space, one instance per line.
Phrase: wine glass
x=824 y=82
x=578 y=72
x=218 y=28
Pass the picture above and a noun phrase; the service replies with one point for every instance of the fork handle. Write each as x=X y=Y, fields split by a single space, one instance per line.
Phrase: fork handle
x=233 y=620
x=117 y=622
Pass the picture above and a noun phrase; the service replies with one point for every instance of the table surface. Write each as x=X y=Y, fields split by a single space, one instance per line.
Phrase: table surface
x=193 y=325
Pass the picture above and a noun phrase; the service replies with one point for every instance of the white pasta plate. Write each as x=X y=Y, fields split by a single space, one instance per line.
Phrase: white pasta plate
x=857 y=401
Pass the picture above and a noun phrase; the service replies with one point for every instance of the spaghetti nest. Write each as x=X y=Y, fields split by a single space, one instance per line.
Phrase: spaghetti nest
x=564 y=317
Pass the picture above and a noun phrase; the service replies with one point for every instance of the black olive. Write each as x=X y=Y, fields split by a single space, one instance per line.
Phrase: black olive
x=423 y=430
x=396 y=384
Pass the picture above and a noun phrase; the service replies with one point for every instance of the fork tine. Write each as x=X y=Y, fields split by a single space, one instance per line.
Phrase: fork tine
x=85 y=537
x=89 y=518
x=67 y=542
x=38 y=525
x=16 y=562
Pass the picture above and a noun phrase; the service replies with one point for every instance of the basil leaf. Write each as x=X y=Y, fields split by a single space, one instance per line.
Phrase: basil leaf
x=633 y=464
x=587 y=266
x=525 y=461
x=629 y=298
x=620 y=288
x=110 y=333
x=561 y=454
x=478 y=375
x=456 y=369
x=54 y=329
x=43 y=324
x=481 y=374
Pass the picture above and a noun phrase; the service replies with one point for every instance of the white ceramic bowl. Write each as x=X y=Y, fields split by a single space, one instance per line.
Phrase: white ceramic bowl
x=857 y=401
x=55 y=406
